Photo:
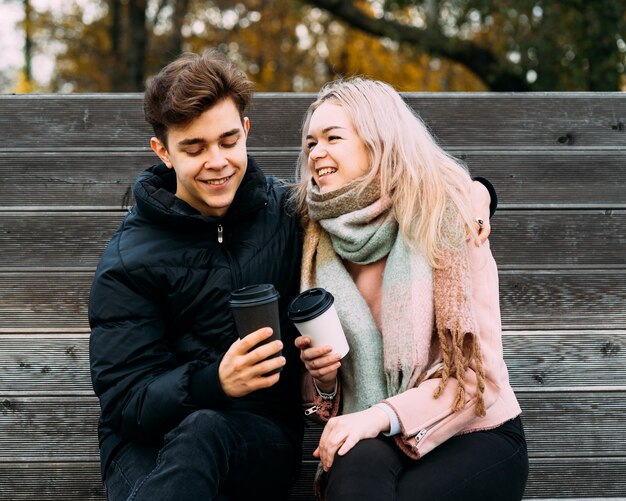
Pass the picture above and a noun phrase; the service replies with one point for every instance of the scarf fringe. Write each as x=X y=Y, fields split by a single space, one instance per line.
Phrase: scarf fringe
x=457 y=357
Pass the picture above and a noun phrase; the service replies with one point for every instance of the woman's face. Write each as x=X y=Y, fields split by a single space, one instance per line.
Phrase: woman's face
x=336 y=153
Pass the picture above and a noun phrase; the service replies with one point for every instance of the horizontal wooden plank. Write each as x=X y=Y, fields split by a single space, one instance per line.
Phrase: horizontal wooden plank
x=522 y=178
x=563 y=300
x=92 y=179
x=533 y=121
x=58 y=364
x=591 y=478
x=564 y=424
x=51 y=481
x=56 y=300
x=584 y=480
x=562 y=359
x=539 y=179
x=558 y=425
x=528 y=120
x=591 y=238
x=39 y=428
x=56 y=239
x=551 y=239
x=574 y=424
x=80 y=481
x=71 y=179
x=85 y=121
x=567 y=299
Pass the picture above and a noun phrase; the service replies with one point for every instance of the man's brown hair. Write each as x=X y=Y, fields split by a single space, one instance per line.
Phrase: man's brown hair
x=188 y=86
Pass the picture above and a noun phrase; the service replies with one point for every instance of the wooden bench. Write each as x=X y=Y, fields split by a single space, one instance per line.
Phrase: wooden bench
x=559 y=164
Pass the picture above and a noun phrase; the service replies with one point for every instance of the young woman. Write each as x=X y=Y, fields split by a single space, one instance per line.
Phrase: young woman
x=421 y=408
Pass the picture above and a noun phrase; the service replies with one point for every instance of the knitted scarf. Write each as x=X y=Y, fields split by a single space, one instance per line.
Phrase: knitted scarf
x=358 y=226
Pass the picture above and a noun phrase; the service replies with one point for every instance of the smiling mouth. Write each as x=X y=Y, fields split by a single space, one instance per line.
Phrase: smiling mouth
x=325 y=171
x=217 y=182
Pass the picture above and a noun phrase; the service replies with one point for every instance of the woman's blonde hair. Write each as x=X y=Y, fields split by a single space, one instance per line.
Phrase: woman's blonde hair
x=423 y=181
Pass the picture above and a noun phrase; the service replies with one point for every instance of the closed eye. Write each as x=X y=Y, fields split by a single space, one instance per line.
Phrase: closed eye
x=194 y=153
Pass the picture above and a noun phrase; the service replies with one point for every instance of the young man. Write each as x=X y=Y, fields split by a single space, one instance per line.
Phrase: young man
x=187 y=412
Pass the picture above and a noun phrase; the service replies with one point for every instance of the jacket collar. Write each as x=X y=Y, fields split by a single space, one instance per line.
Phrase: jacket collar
x=155 y=197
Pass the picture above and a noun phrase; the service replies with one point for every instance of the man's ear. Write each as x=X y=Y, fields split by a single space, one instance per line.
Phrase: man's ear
x=246 y=125
x=159 y=148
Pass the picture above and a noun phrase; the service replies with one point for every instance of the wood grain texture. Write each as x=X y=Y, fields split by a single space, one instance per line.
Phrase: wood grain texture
x=48 y=428
x=45 y=364
x=535 y=299
x=51 y=481
x=544 y=360
x=564 y=424
x=459 y=120
x=58 y=364
x=67 y=165
x=593 y=479
x=524 y=179
x=80 y=481
x=64 y=428
x=550 y=239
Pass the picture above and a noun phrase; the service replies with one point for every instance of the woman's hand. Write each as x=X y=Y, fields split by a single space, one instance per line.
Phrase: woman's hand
x=481 y=201
x=344 y=432
x=321 y=363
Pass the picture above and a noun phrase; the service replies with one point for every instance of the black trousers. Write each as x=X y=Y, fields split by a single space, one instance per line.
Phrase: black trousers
x=490 y=465
x=211 y=455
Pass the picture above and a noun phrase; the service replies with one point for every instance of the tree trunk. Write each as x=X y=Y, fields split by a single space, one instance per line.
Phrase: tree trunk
x=181 y=7
x=118 y=67
x=137 y=48
x=28 y=42
x=600 y=46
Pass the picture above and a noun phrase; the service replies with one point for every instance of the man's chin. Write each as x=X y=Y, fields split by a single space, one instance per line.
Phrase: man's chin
x=218 y=208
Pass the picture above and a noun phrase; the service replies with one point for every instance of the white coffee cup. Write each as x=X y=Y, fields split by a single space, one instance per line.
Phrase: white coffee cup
x=314 y=315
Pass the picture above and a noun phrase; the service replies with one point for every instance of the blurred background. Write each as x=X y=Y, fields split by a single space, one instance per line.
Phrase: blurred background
x=296 y=45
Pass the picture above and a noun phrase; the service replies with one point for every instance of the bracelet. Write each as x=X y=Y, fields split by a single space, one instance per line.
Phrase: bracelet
x=326 y=396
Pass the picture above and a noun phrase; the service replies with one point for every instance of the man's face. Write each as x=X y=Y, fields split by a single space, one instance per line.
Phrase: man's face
x=209 y=157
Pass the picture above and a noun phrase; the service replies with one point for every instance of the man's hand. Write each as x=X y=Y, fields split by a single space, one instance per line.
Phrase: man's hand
x=344 y=432
x=321 y=363
x=242 y=368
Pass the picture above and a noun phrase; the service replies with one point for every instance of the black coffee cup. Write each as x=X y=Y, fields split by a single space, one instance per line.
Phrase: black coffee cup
x=254 y=307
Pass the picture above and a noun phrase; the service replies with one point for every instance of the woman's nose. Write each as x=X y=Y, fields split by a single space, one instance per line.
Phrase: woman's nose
x=317 y=151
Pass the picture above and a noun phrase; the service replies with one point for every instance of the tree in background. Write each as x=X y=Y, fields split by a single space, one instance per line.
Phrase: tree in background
x=510 y=46
x=109 y=50
x=26 y=76
x=113 y=45
x=285 y=45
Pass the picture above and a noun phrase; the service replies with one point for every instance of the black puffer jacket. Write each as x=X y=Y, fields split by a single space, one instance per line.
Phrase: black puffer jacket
x=159 y=314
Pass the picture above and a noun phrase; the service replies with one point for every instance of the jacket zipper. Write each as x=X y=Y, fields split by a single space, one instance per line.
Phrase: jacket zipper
x=312 y=410
x=422 y=433
x=232 y=263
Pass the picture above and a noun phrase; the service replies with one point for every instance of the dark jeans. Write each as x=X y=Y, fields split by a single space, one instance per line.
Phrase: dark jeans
x=489 y=465
x=210 y=455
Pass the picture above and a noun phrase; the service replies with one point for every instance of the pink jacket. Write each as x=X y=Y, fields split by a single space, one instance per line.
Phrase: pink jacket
x=426 y=421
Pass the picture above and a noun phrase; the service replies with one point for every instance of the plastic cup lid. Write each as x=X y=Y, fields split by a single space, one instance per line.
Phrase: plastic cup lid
x=253 y=295
x=309 y=304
